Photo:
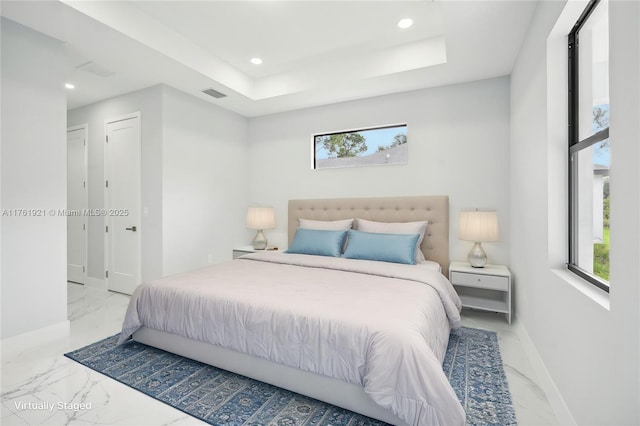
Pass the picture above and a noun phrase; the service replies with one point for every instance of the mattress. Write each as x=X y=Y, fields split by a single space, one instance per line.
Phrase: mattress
x=379 y=325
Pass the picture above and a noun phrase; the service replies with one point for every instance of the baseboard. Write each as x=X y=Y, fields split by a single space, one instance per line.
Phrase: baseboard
x=545 y=380
x=39 y=337
x=97 y=283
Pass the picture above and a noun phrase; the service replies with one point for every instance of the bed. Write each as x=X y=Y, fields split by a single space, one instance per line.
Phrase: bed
x=339 y=330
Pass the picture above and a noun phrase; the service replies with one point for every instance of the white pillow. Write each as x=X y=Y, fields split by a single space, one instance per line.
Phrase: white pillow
x=327 y=225
x=397 y=228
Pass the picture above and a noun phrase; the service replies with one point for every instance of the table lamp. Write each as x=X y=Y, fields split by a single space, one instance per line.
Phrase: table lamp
x=478 y=227
x=260 y=218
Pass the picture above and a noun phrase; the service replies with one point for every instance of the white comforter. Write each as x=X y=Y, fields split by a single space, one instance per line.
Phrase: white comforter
x=383 y=326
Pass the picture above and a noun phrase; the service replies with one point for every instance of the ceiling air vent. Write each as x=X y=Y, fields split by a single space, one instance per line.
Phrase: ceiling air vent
x=214 y=93
x=93 y=68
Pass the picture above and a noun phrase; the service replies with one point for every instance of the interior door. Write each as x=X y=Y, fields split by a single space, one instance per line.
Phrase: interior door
x=123 y=201
x=76 y=204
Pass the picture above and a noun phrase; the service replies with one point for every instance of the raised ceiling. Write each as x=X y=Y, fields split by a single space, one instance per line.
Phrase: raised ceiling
x=313 y=52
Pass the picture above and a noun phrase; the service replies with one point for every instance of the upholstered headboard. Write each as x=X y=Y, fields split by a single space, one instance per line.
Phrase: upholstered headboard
x=434 y=209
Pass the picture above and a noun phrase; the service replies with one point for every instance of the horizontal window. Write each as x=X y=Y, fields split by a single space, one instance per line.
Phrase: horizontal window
x=373 y=146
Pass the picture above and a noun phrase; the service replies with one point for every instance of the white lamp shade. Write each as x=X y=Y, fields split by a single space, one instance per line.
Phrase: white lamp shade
x=260 y=218
x=478 y=226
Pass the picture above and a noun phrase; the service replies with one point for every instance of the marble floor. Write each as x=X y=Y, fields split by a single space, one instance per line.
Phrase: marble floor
x=42 y=387
x=531 y=404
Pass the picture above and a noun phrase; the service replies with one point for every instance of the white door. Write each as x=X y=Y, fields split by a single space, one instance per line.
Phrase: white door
x=123 y=200
x=76 y=204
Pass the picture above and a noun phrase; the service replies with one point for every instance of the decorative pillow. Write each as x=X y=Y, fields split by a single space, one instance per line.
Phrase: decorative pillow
x=327 y=225
x=317 y=242
x=419 y=228
x=396 y=248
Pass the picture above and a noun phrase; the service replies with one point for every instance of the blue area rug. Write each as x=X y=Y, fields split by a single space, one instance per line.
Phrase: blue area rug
x=218 y=397
x=474 y=368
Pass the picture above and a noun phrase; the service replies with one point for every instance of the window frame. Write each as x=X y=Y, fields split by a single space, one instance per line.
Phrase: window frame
x=575 y=145
x=314 y=159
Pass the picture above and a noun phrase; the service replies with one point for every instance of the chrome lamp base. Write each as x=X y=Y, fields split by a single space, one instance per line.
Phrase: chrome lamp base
x=259 y=241
x=477 y=257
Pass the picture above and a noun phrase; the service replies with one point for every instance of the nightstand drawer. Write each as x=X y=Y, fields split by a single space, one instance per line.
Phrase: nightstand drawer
x=490 y=282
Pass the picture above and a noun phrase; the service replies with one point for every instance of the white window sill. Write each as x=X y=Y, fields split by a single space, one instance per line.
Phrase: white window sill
x=584 y=287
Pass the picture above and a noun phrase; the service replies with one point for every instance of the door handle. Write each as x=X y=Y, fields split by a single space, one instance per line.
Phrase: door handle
x=133 y=228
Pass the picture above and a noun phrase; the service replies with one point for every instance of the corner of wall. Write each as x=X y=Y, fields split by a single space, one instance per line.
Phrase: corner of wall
x=545 y=380
x=11 y=346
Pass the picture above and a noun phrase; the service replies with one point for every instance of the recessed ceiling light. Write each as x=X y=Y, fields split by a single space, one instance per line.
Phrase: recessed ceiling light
x=405 y=23
x=256 y=61
x=69 y=86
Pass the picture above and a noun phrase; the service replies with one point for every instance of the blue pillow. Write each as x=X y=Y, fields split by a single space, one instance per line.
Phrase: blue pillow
x=317 y=242
x=396 y=248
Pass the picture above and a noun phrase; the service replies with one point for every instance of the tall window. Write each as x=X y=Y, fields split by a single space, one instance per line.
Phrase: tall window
x=589 y=145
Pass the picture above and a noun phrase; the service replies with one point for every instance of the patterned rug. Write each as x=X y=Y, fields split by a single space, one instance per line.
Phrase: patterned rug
x=474 y=368
x=218 y=397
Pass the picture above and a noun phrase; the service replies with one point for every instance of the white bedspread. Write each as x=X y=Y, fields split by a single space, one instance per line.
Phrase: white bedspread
x=383 y=326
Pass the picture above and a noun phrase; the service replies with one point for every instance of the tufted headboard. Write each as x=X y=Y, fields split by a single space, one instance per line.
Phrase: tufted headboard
x=434 y=209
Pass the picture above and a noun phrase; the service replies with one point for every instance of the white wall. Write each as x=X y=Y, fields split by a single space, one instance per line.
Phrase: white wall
x=194 y=179
x=588 y=341
x=458 y=146
x=149 y=103
x=204 y=182
x=34 y=158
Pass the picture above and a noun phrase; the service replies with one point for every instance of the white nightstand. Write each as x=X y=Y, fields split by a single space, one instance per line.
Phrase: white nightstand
x=487 y=289
x=241 y=251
